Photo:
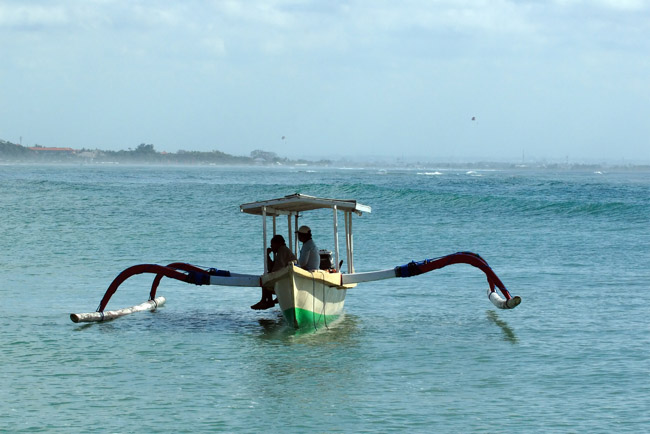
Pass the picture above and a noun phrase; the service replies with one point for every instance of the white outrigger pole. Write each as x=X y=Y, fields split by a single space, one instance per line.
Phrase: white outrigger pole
x=307 y=297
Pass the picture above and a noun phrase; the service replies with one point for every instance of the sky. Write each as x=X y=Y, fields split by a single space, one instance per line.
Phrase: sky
x=528 y=80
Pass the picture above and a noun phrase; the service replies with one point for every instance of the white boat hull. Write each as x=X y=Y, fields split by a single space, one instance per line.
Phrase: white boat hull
x=308 y=298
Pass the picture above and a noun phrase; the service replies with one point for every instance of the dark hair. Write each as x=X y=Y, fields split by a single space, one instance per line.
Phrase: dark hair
x=279 y=239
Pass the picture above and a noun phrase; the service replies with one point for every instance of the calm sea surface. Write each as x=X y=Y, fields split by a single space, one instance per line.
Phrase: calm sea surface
x=424 y=354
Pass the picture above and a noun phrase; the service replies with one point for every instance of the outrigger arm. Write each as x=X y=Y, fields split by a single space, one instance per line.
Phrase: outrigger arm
x=179 y=271
x=211 y=276
x=416 y=268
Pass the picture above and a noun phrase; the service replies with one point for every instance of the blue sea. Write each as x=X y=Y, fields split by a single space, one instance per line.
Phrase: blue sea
x=424 y=354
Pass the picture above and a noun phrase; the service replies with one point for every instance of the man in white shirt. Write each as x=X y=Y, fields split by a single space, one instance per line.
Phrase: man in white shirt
x=309 y=257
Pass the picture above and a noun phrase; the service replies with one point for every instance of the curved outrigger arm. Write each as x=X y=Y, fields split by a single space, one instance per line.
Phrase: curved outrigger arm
x=178 y=270
x=415 y=268
x=184 y=272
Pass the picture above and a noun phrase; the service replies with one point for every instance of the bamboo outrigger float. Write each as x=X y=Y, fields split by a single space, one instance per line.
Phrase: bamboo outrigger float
x=307 y=298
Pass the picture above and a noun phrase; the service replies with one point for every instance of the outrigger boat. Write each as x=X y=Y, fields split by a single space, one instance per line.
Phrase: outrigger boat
x=307 y=298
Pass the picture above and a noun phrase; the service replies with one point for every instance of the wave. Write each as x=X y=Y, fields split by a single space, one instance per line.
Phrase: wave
x=464 y=198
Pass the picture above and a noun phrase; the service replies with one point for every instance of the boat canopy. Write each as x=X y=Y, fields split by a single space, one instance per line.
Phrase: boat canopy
x=295 y=203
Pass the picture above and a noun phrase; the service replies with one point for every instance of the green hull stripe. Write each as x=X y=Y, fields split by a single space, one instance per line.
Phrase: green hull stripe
x=302 y=318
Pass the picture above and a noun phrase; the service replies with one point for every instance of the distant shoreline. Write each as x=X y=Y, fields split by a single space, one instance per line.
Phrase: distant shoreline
x=145 y=154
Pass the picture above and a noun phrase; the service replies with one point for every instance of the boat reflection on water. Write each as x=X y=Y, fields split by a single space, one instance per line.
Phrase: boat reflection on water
x=508 y=333
x=311 y=359
x=340 y=330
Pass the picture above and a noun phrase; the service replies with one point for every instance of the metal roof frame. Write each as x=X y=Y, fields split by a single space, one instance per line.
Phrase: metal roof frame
x=293 y=205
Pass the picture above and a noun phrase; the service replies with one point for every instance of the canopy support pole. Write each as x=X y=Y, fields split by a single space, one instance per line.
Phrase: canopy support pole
x=336 y=237
x=295 y=242
x=349 y=241
x=264 y=239
x=290 y=239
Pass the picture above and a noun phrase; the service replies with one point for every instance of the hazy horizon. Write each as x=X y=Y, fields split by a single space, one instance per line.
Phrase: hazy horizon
x=563 y=80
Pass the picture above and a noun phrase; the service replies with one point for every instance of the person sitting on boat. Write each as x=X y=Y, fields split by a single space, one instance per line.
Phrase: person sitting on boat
x=283 y=257
x=309 y=257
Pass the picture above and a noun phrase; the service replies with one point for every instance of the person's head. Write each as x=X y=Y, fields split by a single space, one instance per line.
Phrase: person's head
x=304 y=233
x=276 y=242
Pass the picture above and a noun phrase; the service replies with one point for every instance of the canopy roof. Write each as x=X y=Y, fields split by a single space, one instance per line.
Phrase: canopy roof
x=295 y=203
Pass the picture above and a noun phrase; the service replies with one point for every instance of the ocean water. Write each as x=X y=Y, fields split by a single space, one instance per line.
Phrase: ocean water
x=424 y=354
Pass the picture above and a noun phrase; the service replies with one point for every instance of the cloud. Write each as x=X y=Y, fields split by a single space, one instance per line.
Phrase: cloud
x=621 y=5
x=459 y=16
x=370 y=70
x=286 y=27
x=23 y=16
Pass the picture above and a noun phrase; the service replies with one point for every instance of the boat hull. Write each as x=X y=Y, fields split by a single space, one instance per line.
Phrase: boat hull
x=308 y=299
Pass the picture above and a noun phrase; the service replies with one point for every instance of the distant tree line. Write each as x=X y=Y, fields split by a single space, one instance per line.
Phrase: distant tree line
x=145 y=153
x=10 y=150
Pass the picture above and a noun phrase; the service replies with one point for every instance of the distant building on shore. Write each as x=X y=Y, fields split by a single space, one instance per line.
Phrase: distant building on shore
x=42 y=149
